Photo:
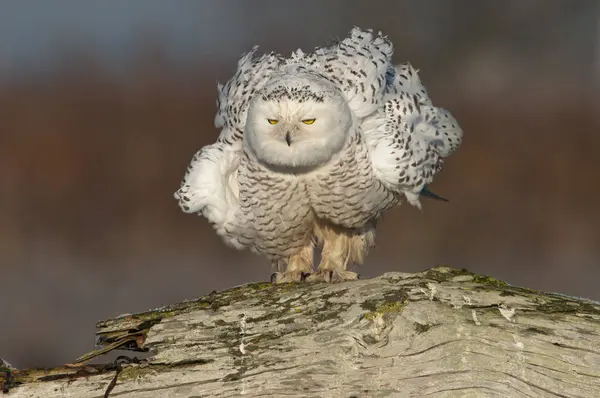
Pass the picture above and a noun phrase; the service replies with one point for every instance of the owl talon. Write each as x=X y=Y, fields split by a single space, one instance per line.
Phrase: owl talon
x=332 y=276
x=288 y=277
x=274 y=277
x=303 y=276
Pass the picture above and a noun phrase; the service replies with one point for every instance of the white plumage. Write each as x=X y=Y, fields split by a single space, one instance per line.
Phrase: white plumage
x=313 y=149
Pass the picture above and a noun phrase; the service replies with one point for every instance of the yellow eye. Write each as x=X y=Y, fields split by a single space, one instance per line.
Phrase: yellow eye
x=308 y=121
x=272 y=121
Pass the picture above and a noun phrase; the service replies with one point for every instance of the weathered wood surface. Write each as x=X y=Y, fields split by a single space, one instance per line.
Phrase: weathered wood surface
x=440 y=333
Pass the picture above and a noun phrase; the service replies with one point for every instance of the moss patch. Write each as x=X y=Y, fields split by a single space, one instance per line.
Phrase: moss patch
x=386 y=308
x=488 y=280
x=445 y=274
x=563 y=305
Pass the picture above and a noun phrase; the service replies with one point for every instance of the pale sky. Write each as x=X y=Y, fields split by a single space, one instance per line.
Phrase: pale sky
x=32 y=31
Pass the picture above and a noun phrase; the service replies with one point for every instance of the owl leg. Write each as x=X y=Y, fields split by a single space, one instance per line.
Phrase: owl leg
x=361 y=241
x=299 y=266
x=342 y=247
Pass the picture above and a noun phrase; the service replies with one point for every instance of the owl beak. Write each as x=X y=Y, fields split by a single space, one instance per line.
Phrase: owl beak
x=288 y=138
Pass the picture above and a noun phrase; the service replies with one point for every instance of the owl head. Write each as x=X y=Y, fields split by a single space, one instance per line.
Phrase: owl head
x=297 y=120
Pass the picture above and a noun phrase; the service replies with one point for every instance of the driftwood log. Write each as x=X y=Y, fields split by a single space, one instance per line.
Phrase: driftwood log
x=439 y=333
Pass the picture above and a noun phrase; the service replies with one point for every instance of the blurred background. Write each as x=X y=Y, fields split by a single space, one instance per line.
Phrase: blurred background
x=103 y=104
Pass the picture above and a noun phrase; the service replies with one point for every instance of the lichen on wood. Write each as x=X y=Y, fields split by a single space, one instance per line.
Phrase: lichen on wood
x=442 y=332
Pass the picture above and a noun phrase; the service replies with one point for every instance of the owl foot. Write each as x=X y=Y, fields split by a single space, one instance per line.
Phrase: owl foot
x=332 y=276
x=288 y=277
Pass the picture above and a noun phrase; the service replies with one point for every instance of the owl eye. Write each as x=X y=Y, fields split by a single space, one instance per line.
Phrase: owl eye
x=308 y=121
x=272 y=121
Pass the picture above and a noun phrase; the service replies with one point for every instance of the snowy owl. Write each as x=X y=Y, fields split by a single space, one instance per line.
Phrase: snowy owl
x=313 y=148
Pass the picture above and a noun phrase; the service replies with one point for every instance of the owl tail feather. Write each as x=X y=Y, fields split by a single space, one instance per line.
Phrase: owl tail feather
x=425 y=192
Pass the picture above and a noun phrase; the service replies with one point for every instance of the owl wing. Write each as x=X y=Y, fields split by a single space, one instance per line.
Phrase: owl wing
x=358 y=65
x=403 y=78
x=210 y=185
x=409 y=138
